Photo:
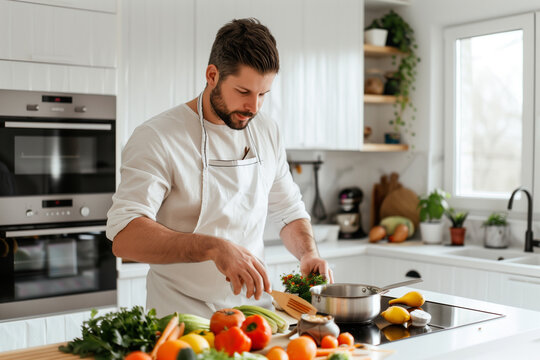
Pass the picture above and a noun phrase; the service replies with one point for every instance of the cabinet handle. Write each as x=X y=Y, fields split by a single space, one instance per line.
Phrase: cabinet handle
x=525 y=281
x=413 y=274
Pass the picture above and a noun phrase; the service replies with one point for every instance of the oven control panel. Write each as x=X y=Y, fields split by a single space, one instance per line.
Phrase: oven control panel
x=55 y=208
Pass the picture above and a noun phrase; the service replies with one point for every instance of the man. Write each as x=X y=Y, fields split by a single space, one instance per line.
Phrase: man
x=198 y=181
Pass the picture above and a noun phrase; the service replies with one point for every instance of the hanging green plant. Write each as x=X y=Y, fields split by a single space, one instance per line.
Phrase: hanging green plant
x=401 y=36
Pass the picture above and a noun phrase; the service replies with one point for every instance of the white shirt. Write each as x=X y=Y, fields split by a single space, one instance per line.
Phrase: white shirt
x=161 y=170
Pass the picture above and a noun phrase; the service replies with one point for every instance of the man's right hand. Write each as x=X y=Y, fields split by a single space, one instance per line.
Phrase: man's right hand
x=240 y=266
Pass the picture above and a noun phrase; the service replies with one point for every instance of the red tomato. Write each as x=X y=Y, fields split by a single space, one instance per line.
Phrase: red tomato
x=232 y=340
x=258 y=330
x=225 y=319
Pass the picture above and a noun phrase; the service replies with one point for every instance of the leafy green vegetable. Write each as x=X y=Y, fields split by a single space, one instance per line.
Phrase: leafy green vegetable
x=115 y=334
x=213 y=354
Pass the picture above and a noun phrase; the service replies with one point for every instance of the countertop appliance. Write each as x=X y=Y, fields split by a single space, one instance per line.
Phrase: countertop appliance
x=443 y=317
x=57 y=178
x=349 y=218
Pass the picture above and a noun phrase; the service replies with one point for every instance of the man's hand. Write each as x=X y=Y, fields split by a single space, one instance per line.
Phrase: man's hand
x=241 y=267
x=314 y=264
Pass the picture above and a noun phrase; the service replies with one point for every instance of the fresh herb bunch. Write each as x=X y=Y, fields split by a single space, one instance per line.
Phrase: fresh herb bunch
x=115 y=334
x=297 y=284
x=496 y=219
x=457 y=218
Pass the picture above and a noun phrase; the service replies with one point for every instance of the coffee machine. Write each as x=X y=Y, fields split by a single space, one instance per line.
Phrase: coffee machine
x=348 y=218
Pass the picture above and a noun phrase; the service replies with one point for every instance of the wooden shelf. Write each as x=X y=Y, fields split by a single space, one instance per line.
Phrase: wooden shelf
x=384 y=147
x=381 y=51
x=379 y=99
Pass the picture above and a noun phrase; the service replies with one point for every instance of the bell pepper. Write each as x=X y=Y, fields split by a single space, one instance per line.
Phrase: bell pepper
x=258 y=330
x=232 y=340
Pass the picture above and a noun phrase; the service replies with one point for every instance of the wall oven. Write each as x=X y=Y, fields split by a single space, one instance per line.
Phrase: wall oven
x=57 y=177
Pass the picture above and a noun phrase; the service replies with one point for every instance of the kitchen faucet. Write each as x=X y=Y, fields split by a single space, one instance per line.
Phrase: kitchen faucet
x=529 y=241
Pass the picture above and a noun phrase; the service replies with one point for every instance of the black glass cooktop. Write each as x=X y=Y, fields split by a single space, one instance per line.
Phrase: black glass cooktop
x=443 y=317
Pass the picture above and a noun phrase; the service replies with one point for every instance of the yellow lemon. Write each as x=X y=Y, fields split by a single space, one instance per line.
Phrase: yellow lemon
x=197 y=342
x=396 y=315
x=207 y=334
x=413 y=298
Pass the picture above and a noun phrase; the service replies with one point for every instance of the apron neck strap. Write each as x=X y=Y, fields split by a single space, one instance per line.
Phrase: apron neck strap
x=204 y=140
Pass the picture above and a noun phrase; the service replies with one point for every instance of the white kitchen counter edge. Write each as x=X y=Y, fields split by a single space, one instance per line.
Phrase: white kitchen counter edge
x=409 y=250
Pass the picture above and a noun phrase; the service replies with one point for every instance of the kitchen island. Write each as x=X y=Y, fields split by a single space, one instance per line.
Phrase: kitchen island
x=517 y=333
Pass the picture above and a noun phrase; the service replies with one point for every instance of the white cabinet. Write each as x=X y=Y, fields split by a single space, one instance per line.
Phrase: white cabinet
x=94 y=5
x=351 y=269
x=58 y=35
x=53 y=329
x=316 y=97
x=516 y=290
x=386 y=271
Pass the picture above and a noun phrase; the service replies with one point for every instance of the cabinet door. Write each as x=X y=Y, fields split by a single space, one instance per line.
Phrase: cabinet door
x=317 y=96
x=351 y=269
x=51 y=34
x=385 y=271
x=518 y=290
x=95 y=5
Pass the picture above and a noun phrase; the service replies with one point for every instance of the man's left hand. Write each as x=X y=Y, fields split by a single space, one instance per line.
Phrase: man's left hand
x=314 y=264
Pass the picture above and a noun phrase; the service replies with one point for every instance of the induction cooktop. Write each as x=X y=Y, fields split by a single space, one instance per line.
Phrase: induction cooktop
x=443 y=317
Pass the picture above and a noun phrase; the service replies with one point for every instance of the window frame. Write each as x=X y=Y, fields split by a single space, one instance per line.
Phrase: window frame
x=525 y=22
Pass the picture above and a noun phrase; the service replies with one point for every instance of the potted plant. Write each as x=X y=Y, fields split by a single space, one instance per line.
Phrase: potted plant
x=375 y=34
x=495 y=234
x=432 y=208
x=401 y=36
x=457 y=231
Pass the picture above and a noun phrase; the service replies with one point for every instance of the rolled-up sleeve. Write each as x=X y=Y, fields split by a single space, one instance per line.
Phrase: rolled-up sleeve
x=145 y=180
x=285 y=200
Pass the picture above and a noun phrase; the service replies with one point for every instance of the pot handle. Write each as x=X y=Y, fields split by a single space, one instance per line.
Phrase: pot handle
x=385 y=289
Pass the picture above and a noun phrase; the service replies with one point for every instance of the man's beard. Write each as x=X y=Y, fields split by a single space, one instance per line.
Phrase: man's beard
x=220 y=109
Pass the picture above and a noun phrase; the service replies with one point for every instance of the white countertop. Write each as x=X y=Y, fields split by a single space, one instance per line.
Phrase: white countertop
x=514 y=336
x=518 y=331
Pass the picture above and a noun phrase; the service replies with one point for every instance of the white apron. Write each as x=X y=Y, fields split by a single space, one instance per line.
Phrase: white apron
x=234 y=205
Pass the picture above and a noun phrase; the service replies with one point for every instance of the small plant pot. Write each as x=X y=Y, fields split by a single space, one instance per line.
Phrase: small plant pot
x=457 y=236
x=375 y=37
x=392 y=138
x=495 y=237
x=432 y=233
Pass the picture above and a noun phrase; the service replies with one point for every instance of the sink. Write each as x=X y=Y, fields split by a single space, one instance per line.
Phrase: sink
x=488 y=254
x=527 y=260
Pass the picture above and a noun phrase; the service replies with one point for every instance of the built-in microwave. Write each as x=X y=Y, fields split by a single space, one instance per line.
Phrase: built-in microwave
x=57 y=157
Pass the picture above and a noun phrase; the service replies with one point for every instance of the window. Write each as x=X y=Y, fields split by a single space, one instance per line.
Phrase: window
x=489 y=111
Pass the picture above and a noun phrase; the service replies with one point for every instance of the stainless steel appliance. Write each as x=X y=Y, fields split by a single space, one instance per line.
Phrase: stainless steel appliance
x=57 y=177
x=57 y=157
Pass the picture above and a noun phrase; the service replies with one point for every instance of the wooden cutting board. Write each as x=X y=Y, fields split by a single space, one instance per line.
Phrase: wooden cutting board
x=401 y=202
x=386 y=185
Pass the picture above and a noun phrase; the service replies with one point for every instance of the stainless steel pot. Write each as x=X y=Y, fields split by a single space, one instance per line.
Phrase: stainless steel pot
x=351 y=302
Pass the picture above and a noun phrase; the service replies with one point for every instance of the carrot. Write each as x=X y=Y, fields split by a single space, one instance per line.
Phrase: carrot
x=177 y=332
x=328 y=351
x=173 y=323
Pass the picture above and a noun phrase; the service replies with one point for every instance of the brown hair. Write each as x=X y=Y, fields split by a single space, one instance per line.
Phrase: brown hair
x=244 y=42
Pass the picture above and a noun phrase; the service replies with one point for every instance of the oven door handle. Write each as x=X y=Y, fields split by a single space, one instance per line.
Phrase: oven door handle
x=55 y=231
x=57 y=125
